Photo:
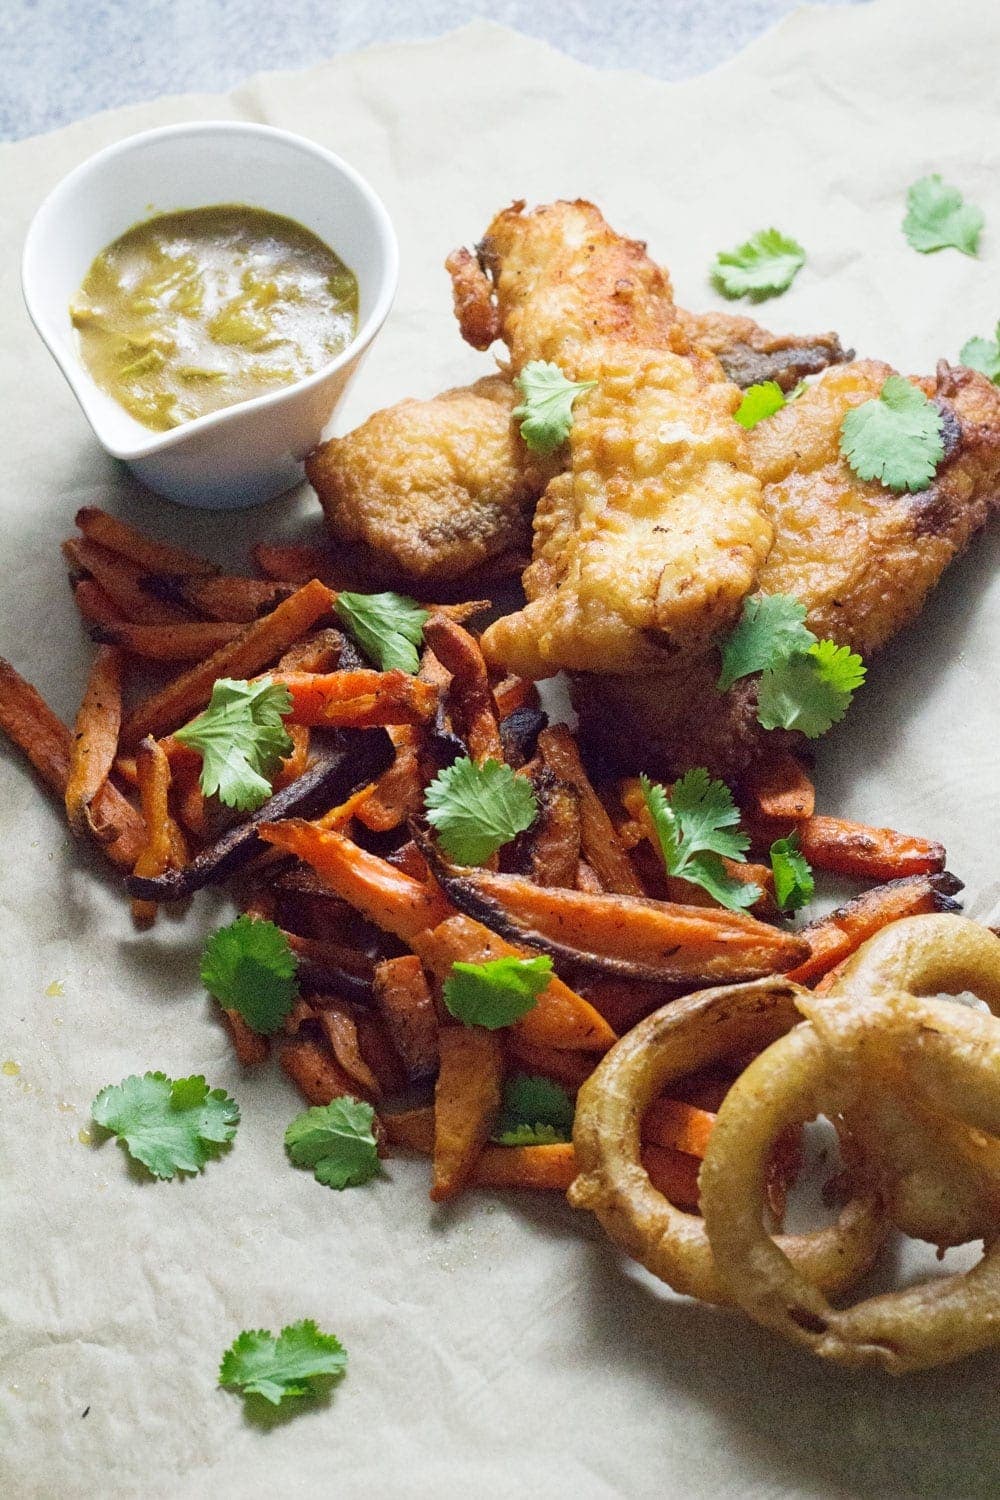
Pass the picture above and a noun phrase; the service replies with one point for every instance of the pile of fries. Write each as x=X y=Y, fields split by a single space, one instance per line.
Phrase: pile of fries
x=341 y=859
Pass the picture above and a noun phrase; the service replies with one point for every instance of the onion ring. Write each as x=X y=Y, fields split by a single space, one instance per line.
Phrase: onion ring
x=689 y=1034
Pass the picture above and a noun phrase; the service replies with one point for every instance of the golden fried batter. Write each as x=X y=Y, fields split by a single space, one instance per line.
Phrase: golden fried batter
x=861 y=558
x=648 y=544
x=434 y=488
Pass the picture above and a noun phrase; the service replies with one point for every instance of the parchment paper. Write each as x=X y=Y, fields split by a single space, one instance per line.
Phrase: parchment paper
x=499 y=1348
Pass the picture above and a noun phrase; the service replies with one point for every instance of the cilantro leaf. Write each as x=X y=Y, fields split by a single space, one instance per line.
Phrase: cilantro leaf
x=809 y=690
x=242 y=739
x=770 y=626
x=760 y=401
x=388 y=627
x=170 y=1126
x=695 y=830
x=895 y=438
x=292 y=1364
x=938 y=218
x=248 y=966
x=498 y=992
x=534 y=1112
x=793 y=877
x=477 y=809
x=983 y=355
x=546 y=410
x=337 y=1141
x=763 y=265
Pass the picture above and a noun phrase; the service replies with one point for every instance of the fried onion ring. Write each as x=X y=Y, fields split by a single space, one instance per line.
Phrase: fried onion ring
x=683 y=1037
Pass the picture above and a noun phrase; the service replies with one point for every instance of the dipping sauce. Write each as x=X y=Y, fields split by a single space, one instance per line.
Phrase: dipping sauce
x=192 y=311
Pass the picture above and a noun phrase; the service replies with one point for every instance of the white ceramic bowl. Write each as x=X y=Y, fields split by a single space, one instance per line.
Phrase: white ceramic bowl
x=246 y=453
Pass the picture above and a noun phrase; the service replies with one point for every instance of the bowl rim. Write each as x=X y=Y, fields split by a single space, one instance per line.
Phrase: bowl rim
x=75 y=372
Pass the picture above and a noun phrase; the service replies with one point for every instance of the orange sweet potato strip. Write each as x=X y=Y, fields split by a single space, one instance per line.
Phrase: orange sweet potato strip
x=602 y=847
x=317 y=1076
x=337 y=1021
x=184 y=641
x=560 y=1017
x=293 y=563
x=554 y=841
x=94 y=605
x=550 y=1167
x=30 y=724
x=120 y=581
x=153 y=770
x=389 y=898
x=362 y=699
x=250 y=1048
x=259 y=644
x=681 y=1127
x=854 y=849
x=413 y=1129
x=781 y=788
x=512 y=693
x=399 y=792
x=296 y=761
x=320 y=652
x=836 y=936
x=118 y=536
x=673 y=1173
x=570 y=1069
x=405 y=1003
x=95 y=743
x=469 y=696
x=466 y=1104
x=226 y=597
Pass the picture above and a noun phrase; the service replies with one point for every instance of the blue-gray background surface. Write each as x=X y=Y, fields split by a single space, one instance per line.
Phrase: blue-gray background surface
x=63 y=59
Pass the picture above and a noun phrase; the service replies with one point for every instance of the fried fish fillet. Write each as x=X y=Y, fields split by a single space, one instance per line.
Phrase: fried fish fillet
x=750 y=354
x=648 y=543
x=434 y=488
x=861 y=558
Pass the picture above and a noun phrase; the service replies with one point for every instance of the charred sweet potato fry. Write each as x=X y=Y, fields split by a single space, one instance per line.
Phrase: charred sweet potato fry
x=156 y=855
x=405 y=1003
x=323 y=651
x=781 y=788
x=554 y=841
x=221 y=598
x=95 y=743
x=121 y=582
x=466 y=1104
x=513 y=693
x=95 y=607
x=184 y=641
x=337 y=1022
x=118 y=536
x=399 y=794
x=318 y=1078
x=854 y=849
x=835 y=937
x=601 y=846
x=470 y=699
x=259 y=644
x=30 y=724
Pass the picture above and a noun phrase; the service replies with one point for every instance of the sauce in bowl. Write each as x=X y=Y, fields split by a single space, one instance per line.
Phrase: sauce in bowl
x=192 y=311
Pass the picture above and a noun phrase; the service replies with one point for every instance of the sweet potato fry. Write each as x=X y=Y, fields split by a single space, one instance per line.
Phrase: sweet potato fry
x=835 y=937
x=623 y=936
x=95 y=743
x=469 y=697
x=405 y=1003
x=337 y=1021
x=387 y=897
x=466 y=1104
x=781 y=788
x=294 y=764
x=316 y=1075
x=185 y=641
x=259 y=644
x=323 y=651
x=400 y=791
x=566 y=1068
x=674 y=1174
x=560 y=1018
x=30 y=724
x=379 y=1053
x=512 y=693
x=341 y=815
x=855 y=850
x=293 y=563
x=601 y=846
x=357 y=700
x=326 y=965
x=250 y=1048
x=118 y=536
x=554 y=841
x=413 y=1129
x=221 y=598
x=679 y=1126
x=153 y=770
x=95 y=606
x=120 y=581
x=551 y=1167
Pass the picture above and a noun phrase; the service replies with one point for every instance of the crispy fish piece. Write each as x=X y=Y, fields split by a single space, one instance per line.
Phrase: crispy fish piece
x=435 y=488
x=647 y=545
x=750 y=354
x=861 y=558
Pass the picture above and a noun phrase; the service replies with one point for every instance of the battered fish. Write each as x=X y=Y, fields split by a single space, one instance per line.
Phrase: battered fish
x=861 y=558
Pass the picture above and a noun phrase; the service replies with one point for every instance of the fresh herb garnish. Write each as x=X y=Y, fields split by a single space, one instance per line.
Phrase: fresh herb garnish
x=242 y=739
x=794 y=885
x=337 y=1141
x=498 y=992
x=983 y=355
x=696 y=827
x=388 y=627
x=771 y=626
x=534 y=1112
x=249 y=967
x=938 y=218
x=762 y=266
x=169 y=1125
x=546 y=409
x=299 y=1362
x=478 y=809
x=895 y=438
x=759 y=401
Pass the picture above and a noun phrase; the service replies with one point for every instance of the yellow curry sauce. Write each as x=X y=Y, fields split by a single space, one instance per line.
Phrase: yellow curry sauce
x=191 y=311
